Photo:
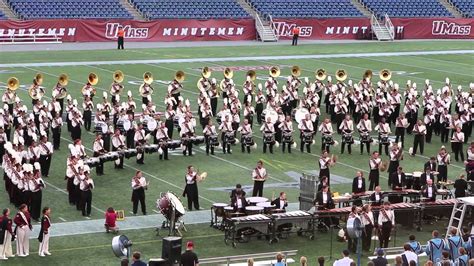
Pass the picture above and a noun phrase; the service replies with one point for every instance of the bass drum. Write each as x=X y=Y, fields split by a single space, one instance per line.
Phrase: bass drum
x=151 y=124
x=354 y=227
x=300 y=114
x=272 y=114
x=169 y=202
x=126 y=125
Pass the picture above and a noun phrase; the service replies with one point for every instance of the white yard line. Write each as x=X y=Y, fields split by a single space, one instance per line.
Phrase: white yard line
x=448 y=63
x=235 y=59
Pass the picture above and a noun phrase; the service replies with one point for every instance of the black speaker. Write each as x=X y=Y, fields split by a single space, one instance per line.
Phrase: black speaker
x=172 y=249
x=158 y=262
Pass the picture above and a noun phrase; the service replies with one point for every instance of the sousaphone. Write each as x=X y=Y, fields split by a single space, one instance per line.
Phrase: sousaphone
x=320 y=74
x=93 y=79
x=385 y=75
x=35 y=91
x=205 y=73
x=63 y=80
x=179 y=76
x=368 y=74
x=228 y=73
x=296 y=71
x=147 y=79
x=13 y=84
x=341 y=75
x=118 y=78
x=252 y=74
x=274 y=71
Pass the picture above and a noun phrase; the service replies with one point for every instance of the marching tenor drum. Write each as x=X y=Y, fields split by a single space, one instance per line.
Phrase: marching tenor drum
x=92 y=162
x=347 y=138
x=173 y=144
x=169 y=202
x=151 y=148
x=130 y=153
x=229 y=137
x=213 y=140
x=196 y=140
x=268 y=138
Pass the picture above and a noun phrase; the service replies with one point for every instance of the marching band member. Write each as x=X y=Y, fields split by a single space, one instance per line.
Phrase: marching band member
x=6 y=234
x=396 y=154
x=78 y=177
x=246 y=132
x=326 y=132
x=324 y=201
x=347 y=127
x=259 y=102
x=80 y=149
x=435 y=247
x=365 y=127
x=460 y=187
x=454 y=242
x=98 y=148
x=130 y=133
x=169 y=115
x=46 y=155
x=213 y=93
x=162 y=138
x=139 y=185
x=386 y=222
x=429 y=190
x=187 y=131
x=367 y=219
x=34 y=151
x=118 y=144
x=384 y=130
x=340 y=110
x=209 y=132
x=429 y=120
x=268 y=130
x=249 y=111
x=139 y=139
x=374 y=175
x=71 y=173
x=76 y=122
x=87 y=106
x=56 y=125
x=401 y=123
x=226 y=132
x=457 y=140
x=174 y=89
x=415 y=246
x=420 y=131
x=398 y=181
x=445 y=122
x=324 y=163
x=281 y=202
x=358 y=186
x=376 y=198
x=23 y=228
x=259 y=176
x=444 y=159
x=36 y=185
x=130 y=106
x=45 y=233
x=286 y=128
x=306 y=129
x=352 y=243
x=191 y=189
x=86 y=186
x=238 y=202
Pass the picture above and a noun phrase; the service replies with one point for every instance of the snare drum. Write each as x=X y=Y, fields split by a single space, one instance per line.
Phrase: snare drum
x=197 y=140
x=219 y=209
x=384 y=140
x=247 y=140
x=268 y=208
x=213 y=140
x=251 y=210
x=287 y=137
x=327 y=139
x=268 y=138
x=365 y=138
x=229 y=137
x=308 y=137
x=348 y=139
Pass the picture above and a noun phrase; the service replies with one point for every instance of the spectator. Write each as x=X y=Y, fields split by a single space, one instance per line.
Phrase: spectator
x=279 y=258
x=398 y=261
x=370 y=263
x=408 y=255
x=250 y=262
x=321 y=261
x=345 y=261
x=380 y=260
x=124 y=262
x=136 y=259
x=445 y=261
x=110 y=219
x=412 y=263
x=303 y=261
x=428 y=263
x=189 y=258
x=471 y=262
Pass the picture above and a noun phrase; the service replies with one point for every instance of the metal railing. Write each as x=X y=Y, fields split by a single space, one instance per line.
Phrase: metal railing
x=229 y=259
x=270 y=20
x=390 y=27
x=259 y=26
x=374 y=23
x=29 y=38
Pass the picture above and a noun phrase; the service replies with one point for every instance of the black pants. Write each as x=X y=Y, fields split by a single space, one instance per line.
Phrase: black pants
x=244 y=147
x=380 y=148
x=367 y=237
x=87 y=120
x=257 y=189
x=188 y=148
x=352 y=244
x=283 y=146
x=99 y=169
x=225 y=144
x=86 y=202
x=349 y=148
x=120 y=43
x=45 y=162
x=141 y=153
x=367 y=145
x=164 y=148
x=138 y=195
x=35 y=206
x=130 y=138
x=295 y=40
x=71 y=190
x=374 y=177
x=78 y=196
x=214 y=105
x=169 y=126
x=400 y=134
x=258 y=111
x=265 y=147
x=457 y=149
x=56 y=137
x=76 y=132
x=419 y=140
x=209 y=146
x=385 y=234
x=429 y=133
x=444 y=133
x=325 y=146
x=193 y=196
x=443 y=173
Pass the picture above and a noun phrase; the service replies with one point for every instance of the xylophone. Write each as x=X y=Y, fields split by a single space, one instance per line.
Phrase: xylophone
x=439 y=208
x=302 y=221
x=245 y=227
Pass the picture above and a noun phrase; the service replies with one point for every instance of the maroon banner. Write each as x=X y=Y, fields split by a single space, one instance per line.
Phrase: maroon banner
x=356 y=28
x=434 y=28
x=86 y=30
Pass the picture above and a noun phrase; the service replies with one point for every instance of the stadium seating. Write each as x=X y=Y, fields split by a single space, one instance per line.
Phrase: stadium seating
x=306 y=8
x=465 y=6
x=407 y=8
x=197 y=9
x=28 y=9
x=2 y=16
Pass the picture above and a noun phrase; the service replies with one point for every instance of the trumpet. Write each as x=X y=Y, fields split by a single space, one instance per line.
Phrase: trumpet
x=296 y=71
x=274 y=72
x=341 y=75
x=116 y=88
x=320 y=74
x=385 y=75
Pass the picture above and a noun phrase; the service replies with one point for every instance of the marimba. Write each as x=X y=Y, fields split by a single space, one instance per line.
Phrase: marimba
x=439 y=208
x=283 y=223
x=246 y=227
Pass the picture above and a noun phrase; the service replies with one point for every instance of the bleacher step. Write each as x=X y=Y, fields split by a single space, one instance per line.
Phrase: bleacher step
x=131 y=9
x=5 y=8
x=451 y=8
x=364 y=10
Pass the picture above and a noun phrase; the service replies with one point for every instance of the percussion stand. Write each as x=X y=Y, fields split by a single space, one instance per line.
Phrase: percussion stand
x=330 y=245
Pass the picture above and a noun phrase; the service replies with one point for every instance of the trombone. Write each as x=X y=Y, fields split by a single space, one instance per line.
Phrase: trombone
x=116 y=88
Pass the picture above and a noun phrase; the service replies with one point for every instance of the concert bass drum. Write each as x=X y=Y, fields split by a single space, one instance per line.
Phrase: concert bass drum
x=169 y=202
x=354 y=227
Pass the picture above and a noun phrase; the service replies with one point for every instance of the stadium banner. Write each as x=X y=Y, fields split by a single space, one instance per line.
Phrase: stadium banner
x=89 y=30
x=359 y=28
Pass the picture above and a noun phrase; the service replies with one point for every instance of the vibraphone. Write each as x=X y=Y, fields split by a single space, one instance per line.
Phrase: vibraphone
x=242 y=228
x=439 y=208
x=413 y=195
x=283 y=223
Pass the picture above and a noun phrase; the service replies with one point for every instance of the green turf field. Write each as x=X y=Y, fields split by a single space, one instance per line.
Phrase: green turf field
x=113 y=189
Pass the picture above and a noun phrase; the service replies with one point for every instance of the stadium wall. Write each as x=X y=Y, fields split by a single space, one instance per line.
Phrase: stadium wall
x=89 y=30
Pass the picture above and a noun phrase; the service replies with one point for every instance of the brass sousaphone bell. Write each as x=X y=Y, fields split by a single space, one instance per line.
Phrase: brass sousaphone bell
x=320 y=74
x=63 y=80
x=206 y=72
x=368 y=74
x=228 y=73
x=385 y=75
x=179 y=76
x=118 y=76
x=252 y=74
x=341 y=75
x=296 y=71
x=274 y=71
x=93 y=79
x=38 y=79
x=147 y=78
x=13 y=84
